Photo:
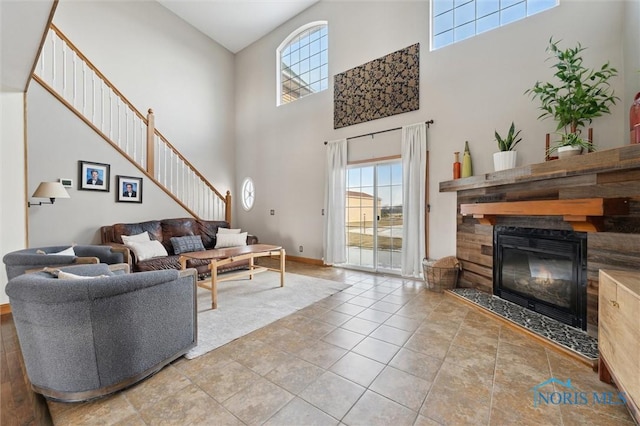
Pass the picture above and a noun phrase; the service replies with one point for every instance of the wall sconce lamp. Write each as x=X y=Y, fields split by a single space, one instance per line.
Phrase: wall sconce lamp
x=50 y=190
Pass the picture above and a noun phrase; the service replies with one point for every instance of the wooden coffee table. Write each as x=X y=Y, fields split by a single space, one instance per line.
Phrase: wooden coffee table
x=221 y=257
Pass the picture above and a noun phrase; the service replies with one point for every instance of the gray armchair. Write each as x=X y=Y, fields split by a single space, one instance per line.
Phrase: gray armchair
x=20 y=261
x=87 y=338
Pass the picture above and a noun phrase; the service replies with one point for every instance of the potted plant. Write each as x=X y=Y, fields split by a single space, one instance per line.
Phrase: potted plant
x=580 y=95
x=506 y=158
x=571 y=144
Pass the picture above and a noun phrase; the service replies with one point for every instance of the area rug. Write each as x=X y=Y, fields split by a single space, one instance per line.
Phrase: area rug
x=246 y=305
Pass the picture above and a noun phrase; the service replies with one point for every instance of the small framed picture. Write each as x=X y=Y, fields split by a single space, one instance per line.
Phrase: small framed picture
x=129 y=189
x=93 y=176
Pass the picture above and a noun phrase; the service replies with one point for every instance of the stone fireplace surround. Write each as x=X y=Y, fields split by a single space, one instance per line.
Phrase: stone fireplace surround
x=598 y=193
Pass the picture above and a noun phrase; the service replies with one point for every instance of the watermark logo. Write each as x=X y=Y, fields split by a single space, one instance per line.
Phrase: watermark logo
x=565 y=394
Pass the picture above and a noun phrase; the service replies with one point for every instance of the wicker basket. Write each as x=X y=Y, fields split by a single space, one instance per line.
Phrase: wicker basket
x=442 y=274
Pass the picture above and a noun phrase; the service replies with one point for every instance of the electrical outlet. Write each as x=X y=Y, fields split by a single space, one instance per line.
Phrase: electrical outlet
x=272 y=212
x=322 y=212
x=301 y=249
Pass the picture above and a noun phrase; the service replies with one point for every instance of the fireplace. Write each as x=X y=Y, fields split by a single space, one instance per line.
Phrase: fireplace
x=544 y=270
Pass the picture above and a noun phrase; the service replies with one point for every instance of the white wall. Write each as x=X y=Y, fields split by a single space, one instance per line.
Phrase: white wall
x=12 y=171
x=57 y=141
x=470 y=89
x=22 y=25
x=156 y=60
x=631 y=68
x=159 y=61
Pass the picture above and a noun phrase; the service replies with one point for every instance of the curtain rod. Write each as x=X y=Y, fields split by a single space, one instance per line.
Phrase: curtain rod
x=381 y=131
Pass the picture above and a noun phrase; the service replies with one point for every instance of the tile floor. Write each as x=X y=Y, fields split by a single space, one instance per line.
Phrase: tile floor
x=383 y=352
x=572 y=338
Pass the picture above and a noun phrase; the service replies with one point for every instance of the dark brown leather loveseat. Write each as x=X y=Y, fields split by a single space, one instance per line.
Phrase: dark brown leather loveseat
x=162 y=230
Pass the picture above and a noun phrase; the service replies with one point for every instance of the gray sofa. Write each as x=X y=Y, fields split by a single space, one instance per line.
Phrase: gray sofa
x=20 y=261
x=87 y=338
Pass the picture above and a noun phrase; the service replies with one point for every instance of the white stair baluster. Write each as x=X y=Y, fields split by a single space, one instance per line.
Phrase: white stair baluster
x=170 y=169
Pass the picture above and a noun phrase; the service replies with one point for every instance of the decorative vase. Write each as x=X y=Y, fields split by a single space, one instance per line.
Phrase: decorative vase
x=569 y=151
x=467 y=168
x=504 y=160
x=456 y=165
x=634 y=119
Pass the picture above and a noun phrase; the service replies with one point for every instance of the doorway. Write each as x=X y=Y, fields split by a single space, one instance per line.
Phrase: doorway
x=374 y=216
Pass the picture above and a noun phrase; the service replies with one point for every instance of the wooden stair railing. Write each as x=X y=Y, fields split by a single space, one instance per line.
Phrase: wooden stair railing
x=70 y=77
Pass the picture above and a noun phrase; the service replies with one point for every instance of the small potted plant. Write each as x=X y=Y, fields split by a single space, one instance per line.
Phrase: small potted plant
x=571 y=144
x=580 y=95
x=506 y=158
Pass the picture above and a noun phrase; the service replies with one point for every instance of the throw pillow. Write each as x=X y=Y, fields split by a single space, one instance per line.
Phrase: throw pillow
x=147 y=249
x=187 y=244
x=52 y=271
x=231 y=240
x=69 y=276
x=66 y=252
x=144 y=236
x=228 y=231
x=88 y=269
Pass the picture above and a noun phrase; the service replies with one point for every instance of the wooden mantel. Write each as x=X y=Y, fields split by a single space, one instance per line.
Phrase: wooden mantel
x=625 y=158
x=584 y=214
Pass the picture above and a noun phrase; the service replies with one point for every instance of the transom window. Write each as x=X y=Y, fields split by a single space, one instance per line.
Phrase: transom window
x=456 y=20
x=303 y=63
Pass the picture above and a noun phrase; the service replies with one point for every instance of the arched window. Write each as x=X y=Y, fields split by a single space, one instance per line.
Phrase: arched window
x=303 y=63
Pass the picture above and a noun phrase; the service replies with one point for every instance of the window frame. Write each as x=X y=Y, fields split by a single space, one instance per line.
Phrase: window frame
x=499 y=11
x=243 y=198
x=283 y=45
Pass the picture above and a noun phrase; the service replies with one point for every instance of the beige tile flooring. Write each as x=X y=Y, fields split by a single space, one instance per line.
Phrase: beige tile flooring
x=383 y=352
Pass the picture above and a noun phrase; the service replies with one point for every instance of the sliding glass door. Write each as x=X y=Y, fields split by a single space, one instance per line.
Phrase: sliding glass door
x=374 y=216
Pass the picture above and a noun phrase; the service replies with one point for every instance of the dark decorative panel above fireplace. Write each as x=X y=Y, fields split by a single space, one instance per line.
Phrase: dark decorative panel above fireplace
x=544 y=270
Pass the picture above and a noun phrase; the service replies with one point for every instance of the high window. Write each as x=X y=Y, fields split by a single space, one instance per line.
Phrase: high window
x=456 y=20
x=303 y=65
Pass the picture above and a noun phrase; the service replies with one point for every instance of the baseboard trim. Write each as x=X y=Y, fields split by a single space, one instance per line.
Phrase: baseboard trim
x=308 y=260
x=5 y=308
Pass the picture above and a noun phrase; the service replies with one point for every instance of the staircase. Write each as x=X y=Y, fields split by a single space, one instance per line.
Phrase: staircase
x=69 y=76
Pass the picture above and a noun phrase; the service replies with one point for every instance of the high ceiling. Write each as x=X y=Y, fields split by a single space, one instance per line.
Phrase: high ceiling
x=235 y=24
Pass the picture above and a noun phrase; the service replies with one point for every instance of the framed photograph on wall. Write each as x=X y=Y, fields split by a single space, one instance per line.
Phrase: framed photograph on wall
x=129 y=189
x=93 y=176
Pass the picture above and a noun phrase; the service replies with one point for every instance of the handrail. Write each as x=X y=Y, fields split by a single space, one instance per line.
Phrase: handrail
x=72 y=78
x=96 y=70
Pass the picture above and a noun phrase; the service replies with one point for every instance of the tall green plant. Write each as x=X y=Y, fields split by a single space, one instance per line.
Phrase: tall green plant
x=580 y=95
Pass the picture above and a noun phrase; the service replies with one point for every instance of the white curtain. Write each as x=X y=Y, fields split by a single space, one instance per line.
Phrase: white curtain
x=335 y=198
x=414 y=172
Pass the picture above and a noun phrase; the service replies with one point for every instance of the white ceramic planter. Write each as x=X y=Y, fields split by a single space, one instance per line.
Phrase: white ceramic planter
x=569 y=151
x=504 y=160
